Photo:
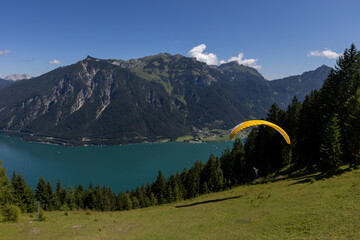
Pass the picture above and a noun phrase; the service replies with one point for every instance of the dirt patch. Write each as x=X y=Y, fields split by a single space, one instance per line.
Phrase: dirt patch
x=124 y=228
x=243 y=220
x=77 y=226
x=34 y=230
x=281 y=177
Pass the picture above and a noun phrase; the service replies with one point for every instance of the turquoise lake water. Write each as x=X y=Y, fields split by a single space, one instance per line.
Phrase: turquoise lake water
x=118 y=167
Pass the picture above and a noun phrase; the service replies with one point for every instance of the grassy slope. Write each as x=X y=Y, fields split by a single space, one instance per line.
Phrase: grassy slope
x=288 y=209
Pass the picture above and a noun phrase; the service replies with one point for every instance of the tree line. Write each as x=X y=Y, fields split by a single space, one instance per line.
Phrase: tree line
x=324 y=130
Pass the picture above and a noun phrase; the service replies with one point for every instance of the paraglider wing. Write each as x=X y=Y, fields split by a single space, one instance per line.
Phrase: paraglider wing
x=251 y=123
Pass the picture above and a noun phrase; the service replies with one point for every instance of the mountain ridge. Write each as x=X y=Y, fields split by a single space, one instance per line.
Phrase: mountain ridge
x=109 y=101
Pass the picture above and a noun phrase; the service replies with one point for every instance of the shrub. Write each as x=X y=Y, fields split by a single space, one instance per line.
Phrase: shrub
x=88 y=213
x=66 y=214
x=11 y=213
x=41 y=215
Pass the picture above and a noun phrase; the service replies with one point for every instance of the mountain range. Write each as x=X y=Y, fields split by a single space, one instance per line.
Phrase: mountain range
x=109 y=101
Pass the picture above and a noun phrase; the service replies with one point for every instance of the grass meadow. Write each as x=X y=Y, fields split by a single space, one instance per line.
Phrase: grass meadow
x=302 y=207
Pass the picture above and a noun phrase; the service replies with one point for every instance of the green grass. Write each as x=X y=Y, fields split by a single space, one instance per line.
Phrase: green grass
x=304 y=207
x=184 y=138
x=222 y=138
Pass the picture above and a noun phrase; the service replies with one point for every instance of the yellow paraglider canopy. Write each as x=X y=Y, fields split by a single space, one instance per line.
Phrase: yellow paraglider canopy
x=251 y=123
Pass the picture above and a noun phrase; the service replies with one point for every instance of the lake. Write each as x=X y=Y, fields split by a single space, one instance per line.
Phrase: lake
x=119 y=167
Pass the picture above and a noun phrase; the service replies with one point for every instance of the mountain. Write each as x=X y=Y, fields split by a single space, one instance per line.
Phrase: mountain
x=16 y=77
x=4 y=83
x=97 y=101
x=298 y=85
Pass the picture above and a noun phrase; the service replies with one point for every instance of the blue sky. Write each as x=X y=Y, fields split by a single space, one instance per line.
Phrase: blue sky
x=280 y=38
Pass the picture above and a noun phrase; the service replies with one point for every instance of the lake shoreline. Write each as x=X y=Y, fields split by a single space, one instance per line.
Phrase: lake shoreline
x=198 y=136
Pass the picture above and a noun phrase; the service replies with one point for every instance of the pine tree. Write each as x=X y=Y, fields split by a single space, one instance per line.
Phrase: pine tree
x=193 y=180
x=227 y=165
x=41 y=193
x=79 y=197
x=152 y=199
x=308 y=142
x=120 y=199
x=352 y=130
x=184 y=182
x=212 y=174
x=60 y=195
x=291 y=125
x=89 y=198
x=98 y=203
x=275 y=146
x=160 y=188
x=23 y=194
x=135 y=202
x=242 y=166
x=70 y=198
x=5 y=187
x=127 y=203
x=50 y=196
x=251 y=156
x=330 y=151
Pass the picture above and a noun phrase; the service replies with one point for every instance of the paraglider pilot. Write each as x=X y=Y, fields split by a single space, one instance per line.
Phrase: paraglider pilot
x=256 y=172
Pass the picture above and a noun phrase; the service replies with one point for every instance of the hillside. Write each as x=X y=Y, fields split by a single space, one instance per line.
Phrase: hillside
x=298 y=85
x=301 y=207
x=4 y=83
x=164 y=96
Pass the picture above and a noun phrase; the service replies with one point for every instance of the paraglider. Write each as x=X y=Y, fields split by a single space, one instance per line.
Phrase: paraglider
x=251 y=123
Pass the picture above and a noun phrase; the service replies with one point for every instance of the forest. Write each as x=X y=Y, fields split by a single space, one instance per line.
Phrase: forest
x=324 y=130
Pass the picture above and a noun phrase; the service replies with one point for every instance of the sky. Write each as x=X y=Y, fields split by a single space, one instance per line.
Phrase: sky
x=278 y=38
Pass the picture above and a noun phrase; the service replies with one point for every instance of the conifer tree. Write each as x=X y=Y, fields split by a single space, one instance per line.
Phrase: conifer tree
x=160 y=188
x=23 y=194
x=183 y=183
x=212 y=174
x=242 y=168
x=60 y=195
x=127 y=202
x=51 y=198
x=330 y=151
x=135 y=202
x=309 y=131
x=228 y=166
x=79 y=197
x=89 y=198
x=152 y=199
x=70 y=198
x=352 y=130
x=5 y=187
x=120 y=199
x=41 y=193
x=291 y=125
x=193 y=180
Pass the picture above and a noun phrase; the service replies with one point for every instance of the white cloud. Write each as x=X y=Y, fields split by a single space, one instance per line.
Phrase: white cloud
x=208 y=58
x=6 y=51
x=55 y=61
x=211 y=58
x=326 y=53
x=246 y=62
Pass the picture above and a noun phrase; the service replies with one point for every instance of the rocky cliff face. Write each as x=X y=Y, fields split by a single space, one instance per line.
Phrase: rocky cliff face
x=117 y=102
